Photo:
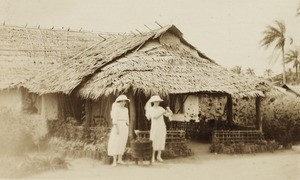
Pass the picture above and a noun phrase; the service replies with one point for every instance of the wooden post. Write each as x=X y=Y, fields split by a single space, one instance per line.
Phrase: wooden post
x=61 y=107
x=132 y=116
x=258 y=113
x=229 y=109
x=88 y=112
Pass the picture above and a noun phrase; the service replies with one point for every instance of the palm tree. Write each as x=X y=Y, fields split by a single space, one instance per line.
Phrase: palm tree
x=276 y=36
x=237 y=69
x=250 y=71
x=268 y=73
x=292 y=57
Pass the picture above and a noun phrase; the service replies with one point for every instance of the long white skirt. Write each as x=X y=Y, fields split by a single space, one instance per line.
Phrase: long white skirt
x=158 y=133
x=117 y=142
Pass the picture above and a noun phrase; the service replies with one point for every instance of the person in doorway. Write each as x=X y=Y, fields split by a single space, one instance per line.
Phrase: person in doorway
x=158 y=130
x=119 y=133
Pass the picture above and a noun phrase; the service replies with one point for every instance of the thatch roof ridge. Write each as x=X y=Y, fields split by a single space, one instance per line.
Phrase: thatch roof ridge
x=82 y=31
x=173 y=29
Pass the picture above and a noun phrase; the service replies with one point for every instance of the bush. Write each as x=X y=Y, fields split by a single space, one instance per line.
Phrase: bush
x=79 y=148
x=281 y=119
x=16 y=167
x=78 y=141
x=19 y=132
x=39 y=163
x=244 y=148
x=69 y=130
x=174 y=150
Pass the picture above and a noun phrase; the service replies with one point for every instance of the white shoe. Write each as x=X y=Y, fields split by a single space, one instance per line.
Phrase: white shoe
x=114 y=165
x=121 y=162
x=159 y=159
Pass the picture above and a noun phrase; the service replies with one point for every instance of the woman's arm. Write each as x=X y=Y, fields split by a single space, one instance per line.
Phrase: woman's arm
x=169 y=112
x=117 y=128
x=114 y=116
x=163 y=112
x=115 y=124
x=158 y=116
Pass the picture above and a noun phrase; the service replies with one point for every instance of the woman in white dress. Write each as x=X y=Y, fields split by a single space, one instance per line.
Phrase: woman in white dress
x=119 y=133
x=158 y=131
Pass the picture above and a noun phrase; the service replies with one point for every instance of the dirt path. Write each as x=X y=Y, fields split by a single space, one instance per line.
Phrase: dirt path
x=203 y=165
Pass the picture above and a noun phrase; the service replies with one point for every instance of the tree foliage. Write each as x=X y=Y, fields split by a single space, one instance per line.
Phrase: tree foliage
x=237 y=69
x=276 y=36
x=268 y=73
x=281 y=119
x=293 y=57
x=250 y=71
x=20 y=132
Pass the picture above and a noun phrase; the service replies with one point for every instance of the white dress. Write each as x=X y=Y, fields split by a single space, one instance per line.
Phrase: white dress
x=117 y=142
x=158 y=130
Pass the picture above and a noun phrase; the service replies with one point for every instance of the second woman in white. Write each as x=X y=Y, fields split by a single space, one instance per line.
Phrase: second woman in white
x=158 y=129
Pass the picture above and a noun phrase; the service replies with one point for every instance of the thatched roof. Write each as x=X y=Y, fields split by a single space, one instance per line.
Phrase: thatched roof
x=144 y=63
x=25 y=52
x=292 y=88
x=76 y=69
x=165 y=70
x=278 y=92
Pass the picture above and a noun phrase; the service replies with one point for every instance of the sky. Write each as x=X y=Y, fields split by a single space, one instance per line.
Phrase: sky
x=227 y=31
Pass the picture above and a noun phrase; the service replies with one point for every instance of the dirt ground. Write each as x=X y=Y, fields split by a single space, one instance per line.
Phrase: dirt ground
x=280 y=165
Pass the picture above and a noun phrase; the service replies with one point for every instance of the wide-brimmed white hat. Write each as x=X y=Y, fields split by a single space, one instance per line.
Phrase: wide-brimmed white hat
x=122 y=98
x=155 y=98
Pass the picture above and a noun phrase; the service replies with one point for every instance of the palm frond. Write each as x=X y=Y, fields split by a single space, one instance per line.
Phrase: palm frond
x=268 y=39
x=292 y=56
x=268 y=72
x=274 y=35
x=280 y=43
x=281 y=26
x=288 y=60
x=296 y=63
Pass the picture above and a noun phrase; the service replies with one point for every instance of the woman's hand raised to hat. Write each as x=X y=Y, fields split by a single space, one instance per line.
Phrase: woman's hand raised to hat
x=168 y=109
x=168 y=112
x=161 y=113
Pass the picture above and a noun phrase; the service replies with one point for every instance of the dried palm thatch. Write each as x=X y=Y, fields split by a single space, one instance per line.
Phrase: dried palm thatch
x=142 y=63
x=112 y=63
x=278 y=92
x=76 y=69
x=292 y=88
x=25 y=52
x=163 y=70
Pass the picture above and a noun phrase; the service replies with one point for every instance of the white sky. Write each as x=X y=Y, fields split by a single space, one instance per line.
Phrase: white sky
x=227 y=31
